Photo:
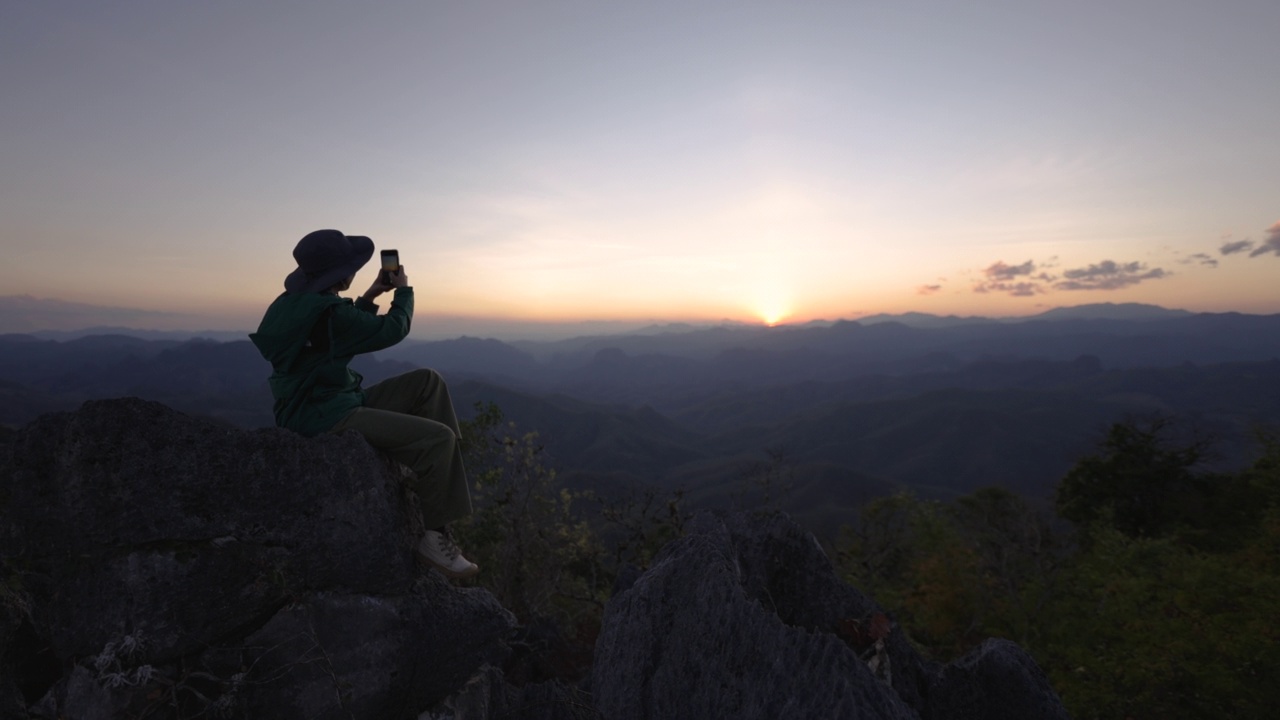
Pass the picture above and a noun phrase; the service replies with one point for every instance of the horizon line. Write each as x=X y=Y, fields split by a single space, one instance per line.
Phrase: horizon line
x=535 y=330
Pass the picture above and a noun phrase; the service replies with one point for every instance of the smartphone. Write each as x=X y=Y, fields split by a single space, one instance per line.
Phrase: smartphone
x=390 y=265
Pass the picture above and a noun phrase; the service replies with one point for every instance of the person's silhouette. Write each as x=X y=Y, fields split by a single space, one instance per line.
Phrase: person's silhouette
x=309 y=334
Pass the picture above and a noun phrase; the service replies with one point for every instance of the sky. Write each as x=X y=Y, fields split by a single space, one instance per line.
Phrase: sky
x=658 y=161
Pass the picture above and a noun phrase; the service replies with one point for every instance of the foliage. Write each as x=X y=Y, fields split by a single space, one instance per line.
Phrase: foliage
x=1147 y=628
x=638 y=524
x=955 y=574
x=536 y=556
x=1169 y=607
x=1161 y=604
x=1146 y=483
x=546 y=558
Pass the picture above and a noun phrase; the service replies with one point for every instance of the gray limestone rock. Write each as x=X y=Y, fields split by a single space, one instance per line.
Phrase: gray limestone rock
x=996 y=681
x=177 y=566
x=704 y=633
x=339 y=655
x=744 y=618
x=13 y=614
x=128 y=506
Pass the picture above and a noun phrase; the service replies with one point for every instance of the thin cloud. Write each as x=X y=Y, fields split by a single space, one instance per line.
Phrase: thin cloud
x=1271 y=244
x=1016 y=280
x=928 y=289
x=1231 y=248
x=1108 y=275
x=1031 y=278
x=1001 y=271
x=1018 y=289
x=1201 y=258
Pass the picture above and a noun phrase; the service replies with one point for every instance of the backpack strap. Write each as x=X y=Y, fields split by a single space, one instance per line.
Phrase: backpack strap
x=321 y=335
x=319 y=338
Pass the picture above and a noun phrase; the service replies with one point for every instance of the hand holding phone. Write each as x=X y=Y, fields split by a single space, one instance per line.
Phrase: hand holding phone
x=390 y=266
x=390 y=276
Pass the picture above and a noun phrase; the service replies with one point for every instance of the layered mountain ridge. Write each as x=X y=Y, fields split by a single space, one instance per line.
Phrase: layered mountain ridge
x=857 y=409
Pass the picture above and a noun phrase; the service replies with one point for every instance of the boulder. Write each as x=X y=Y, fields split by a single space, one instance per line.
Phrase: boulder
x=744 y=617
x=174 y=565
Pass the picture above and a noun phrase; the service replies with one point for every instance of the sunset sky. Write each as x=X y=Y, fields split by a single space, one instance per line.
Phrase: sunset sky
x=647 y=160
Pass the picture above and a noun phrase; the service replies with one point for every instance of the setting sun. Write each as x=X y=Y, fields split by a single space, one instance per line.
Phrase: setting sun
x=772 y=313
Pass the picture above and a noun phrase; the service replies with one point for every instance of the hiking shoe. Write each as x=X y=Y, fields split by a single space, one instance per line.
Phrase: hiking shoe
x=440 y=552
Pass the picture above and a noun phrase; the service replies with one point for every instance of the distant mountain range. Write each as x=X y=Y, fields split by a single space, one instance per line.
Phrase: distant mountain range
x=856 y=408
x=1096 y=311
x=61 y=320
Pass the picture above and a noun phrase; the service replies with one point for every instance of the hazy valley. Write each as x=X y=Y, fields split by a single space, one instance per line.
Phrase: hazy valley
x=837 y=412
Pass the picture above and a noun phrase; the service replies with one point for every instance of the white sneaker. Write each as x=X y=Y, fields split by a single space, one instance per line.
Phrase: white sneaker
x=440 y=552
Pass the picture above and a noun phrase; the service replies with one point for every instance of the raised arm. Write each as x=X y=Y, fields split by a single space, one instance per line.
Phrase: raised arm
x=358 y=328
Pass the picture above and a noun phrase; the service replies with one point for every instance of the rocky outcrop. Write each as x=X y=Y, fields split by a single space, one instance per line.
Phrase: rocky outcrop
x=744 y=618
x=162 y=566
x=173 y=566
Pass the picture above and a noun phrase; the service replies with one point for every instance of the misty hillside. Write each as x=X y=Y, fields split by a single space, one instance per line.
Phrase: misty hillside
x=671 y=370
x=852 y=409
x=1094 y=311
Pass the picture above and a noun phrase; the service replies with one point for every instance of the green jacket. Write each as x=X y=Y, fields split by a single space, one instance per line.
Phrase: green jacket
x=309 y=338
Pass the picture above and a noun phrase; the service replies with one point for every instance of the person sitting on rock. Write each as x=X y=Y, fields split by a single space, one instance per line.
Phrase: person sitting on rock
x=309 y=335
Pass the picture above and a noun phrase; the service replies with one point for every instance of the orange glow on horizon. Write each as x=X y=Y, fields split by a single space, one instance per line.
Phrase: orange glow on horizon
x=773 y=317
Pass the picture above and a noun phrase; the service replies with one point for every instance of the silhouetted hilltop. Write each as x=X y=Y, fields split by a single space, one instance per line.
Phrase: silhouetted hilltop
x=475 y=356
x=1112 y=311
x=1094 y=311
x=923 y=320
x=63 y=320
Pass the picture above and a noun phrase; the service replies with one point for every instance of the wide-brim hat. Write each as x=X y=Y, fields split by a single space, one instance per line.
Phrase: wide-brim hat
x=326 y=257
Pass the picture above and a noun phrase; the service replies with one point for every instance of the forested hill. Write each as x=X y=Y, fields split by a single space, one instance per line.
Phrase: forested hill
x=846 y=411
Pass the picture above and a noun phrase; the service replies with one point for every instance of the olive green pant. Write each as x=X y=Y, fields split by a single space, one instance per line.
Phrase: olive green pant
x=410 y=417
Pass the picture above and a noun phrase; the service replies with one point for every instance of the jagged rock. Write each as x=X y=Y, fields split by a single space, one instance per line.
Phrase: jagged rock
x=996 y=681
x=743 y=618
x=307 y=650
x=168 y=567
x=13 y=612
x=175 y=564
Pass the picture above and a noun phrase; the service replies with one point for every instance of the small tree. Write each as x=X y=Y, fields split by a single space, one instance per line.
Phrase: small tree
x=546 y=559
x=638 y=524
x=909 y=555
x=1141 y=483
x=1145 y=483
x=763 y=484
x=1020 y=557
x=535 y=555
